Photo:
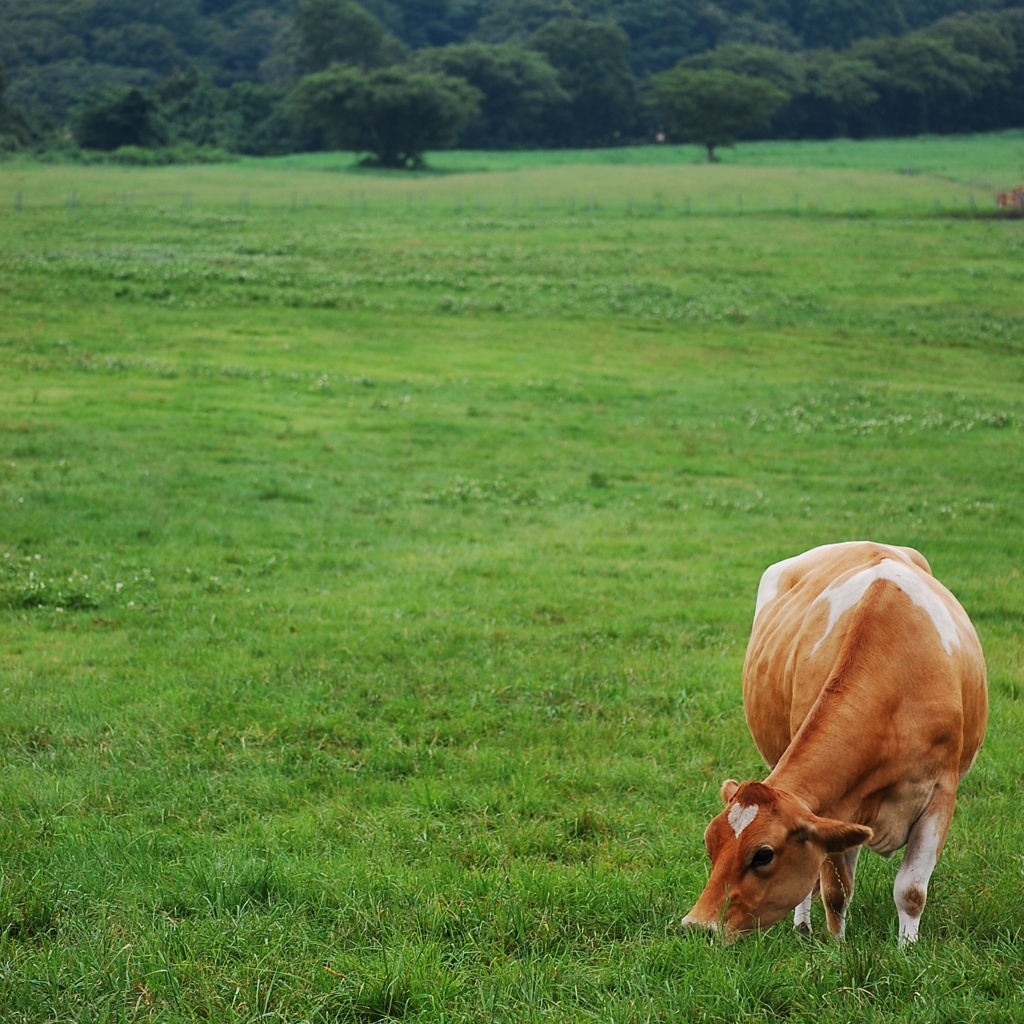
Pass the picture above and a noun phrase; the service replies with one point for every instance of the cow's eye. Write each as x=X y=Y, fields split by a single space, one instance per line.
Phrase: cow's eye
x=762 y=858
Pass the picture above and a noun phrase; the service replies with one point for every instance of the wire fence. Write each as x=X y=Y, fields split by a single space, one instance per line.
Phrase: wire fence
x=415 y=205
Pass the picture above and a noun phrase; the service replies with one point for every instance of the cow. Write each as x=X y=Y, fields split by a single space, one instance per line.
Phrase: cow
x=864 y=689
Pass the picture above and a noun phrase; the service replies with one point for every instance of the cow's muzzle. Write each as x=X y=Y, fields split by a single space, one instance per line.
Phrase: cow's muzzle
x=694 y=926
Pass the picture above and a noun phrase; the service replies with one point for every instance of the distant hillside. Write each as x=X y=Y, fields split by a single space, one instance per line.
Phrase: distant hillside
x=56 y=50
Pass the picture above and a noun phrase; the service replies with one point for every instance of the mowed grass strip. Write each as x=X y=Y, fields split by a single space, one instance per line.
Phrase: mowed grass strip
x=379 y=657
x=920 y=177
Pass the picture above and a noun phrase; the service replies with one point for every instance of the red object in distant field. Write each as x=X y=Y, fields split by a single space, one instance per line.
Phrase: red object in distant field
x=1011 y=200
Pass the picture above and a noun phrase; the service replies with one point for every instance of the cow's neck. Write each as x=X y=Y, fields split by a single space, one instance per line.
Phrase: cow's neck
x=831 y=756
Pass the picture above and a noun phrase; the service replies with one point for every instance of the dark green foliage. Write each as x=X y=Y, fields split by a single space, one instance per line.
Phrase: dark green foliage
x=837 y=89
x=247 y=118
x=523 y=103
x=394 y=113
x=342 y=32
x=851 y=67
x=516 y=19
x=193 y=107
x=713 y=108
x=125 y=117
x=936 y=80
x=592 y=68
x=16 y=129
x=961 y=74
x=261 y=122
x=837 y=23
x=786 y=71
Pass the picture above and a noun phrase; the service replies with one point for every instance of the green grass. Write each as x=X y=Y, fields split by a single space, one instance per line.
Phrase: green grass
x=379 y=580
x=971 y=155
x=921 y=177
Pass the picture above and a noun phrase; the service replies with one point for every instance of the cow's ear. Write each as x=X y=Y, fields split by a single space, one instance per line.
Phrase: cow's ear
x=835 y=836
x=729 y=788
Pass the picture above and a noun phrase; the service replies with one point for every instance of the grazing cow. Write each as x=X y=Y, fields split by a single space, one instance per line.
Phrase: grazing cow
x=864 y=690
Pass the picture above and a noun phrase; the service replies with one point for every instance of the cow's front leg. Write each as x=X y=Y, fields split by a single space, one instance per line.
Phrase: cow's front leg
x=802 y=914
x=837 y=876
x=924 y=844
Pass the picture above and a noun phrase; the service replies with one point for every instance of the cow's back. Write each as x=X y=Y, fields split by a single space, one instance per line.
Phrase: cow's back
x=871 y=623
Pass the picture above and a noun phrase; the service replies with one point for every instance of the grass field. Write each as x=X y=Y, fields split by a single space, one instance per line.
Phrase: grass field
x=921 y=177
x=375 y=580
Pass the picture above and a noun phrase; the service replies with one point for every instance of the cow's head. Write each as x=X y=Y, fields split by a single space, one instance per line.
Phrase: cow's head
x=766 y=851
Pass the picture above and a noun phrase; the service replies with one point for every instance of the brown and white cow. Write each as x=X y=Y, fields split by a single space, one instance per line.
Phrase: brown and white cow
x=864 y=689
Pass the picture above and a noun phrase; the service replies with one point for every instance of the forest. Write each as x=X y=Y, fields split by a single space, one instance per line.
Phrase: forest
x=267 y=77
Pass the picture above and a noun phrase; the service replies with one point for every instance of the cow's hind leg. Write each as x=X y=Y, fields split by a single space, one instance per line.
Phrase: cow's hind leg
x=837 y=874
x=924 y=844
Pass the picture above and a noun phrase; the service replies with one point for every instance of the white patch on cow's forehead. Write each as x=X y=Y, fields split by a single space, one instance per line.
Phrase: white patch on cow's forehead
x=843 y=597
x=741 y=817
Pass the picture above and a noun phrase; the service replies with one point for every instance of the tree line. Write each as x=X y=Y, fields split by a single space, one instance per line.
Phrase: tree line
x=354 y=83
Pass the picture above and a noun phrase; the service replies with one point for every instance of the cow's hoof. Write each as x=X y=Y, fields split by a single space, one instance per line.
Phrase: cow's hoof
x=803 y=928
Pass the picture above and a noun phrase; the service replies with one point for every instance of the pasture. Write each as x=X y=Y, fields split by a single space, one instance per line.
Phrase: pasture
x=375 y=573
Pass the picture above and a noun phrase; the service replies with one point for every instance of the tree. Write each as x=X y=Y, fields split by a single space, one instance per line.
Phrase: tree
x=592 y=68
x=516 y=19
x=118 y=117
x=522 y=101
x=342 y=32
x=837 y=23
x=713 y=108
x=263 y=123
x=837 y=91
x=192 y=108
x=395 y=113
x=926 y=83
x=15 y=128
x=783 y=69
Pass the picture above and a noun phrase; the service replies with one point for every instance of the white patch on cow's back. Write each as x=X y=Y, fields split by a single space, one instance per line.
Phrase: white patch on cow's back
x=741 y=817
x=843 y=597
x=768 y=588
